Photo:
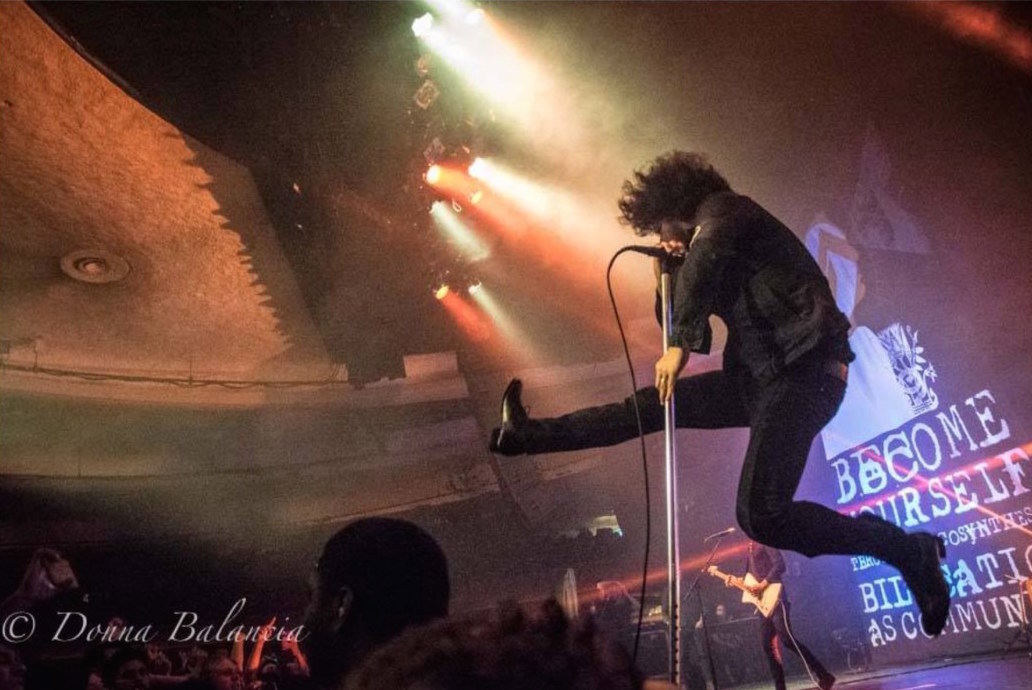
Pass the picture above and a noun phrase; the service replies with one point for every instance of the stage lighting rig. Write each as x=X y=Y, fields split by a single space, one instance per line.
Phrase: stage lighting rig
x=423 y=63
x=434 y=151
x=449 y=131
x=426 y=95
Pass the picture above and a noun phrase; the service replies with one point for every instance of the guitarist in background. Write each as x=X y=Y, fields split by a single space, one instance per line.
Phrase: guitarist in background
x=767 y=566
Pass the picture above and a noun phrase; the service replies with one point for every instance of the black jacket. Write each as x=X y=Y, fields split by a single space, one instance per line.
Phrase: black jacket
x=746 y=267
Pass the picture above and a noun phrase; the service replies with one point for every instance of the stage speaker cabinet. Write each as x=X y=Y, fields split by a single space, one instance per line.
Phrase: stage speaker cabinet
x=653 y=650
x=737 y=656
x=654 y=656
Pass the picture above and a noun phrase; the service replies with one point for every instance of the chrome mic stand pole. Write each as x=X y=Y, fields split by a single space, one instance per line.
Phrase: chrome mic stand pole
x=673 y=541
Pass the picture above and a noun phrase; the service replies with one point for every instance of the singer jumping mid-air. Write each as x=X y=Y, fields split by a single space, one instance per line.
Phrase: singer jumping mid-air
x=784 y=371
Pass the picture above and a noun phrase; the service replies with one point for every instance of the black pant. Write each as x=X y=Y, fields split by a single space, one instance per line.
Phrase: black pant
x=783 y=416
x=777 y=627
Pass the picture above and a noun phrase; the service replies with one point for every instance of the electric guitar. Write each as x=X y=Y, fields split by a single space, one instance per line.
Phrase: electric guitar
x=765 y=603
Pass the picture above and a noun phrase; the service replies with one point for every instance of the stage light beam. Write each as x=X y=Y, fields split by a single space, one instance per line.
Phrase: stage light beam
x=505 y=325
x=448 y=221
x=452 y=9
x=472 y=322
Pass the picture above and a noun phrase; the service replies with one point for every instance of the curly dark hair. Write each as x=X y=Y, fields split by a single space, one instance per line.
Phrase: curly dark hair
x=672 y=187
x=509 y=649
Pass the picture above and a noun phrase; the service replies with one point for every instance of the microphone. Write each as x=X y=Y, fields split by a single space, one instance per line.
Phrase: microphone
x=668 y=260
x=655 y=252
x=721 y=533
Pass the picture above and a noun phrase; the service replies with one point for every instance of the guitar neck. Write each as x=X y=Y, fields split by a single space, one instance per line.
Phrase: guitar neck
x=730 y=579
x=737 y=582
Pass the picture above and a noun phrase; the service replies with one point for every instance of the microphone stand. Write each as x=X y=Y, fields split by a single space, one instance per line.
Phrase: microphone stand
x=702 y=610
x=673 y=541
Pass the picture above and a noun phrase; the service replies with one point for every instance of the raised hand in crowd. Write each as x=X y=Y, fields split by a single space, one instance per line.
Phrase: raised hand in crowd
x=254 y=661
x=158 y=663
x=47 y=575
x=237 y=653
x=292 y=648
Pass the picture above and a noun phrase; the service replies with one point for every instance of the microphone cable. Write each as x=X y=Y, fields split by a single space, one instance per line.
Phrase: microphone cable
x=644 y=454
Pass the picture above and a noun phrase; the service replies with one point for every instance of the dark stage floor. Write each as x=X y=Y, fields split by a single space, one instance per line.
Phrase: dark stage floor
x=987 y=673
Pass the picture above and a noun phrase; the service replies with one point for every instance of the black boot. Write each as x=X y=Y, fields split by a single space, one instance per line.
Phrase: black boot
x=506 y=439
x=920 y=568
x=925 y=579
x=589 y=427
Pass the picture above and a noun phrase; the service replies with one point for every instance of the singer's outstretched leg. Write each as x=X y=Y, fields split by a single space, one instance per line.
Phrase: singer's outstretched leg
x=710 y=400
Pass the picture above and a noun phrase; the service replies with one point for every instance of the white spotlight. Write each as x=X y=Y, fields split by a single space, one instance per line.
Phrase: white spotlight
x=476 y=168
x=475 y=17
x=421 y=26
